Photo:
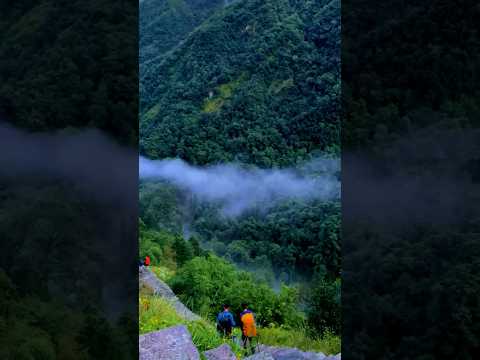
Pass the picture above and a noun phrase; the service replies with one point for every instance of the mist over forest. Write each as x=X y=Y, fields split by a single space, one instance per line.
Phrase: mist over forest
x=237 y=189
x=239 y=156
x=68 y=223
x=216 y=204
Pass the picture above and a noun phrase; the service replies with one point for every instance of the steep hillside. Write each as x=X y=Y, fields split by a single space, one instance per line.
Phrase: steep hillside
x=165 y=23
x=70 y=64
x=160 y=309
x=257 y=82
x=416 y=71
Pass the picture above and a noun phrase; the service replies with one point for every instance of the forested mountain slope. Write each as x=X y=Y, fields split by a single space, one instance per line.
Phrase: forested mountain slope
x=257 y=82
x=411 y=74
x=70 y=64
x=165 y=23
x=66 y=64
x=425 y=63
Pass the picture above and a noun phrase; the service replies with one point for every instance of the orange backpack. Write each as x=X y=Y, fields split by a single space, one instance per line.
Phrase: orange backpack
x=248 y=322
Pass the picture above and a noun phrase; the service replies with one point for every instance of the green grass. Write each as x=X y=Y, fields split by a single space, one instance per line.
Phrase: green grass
x=157 y=314
x=223 y=93
x=162 y=272
x=298 y=338
x=212 y=105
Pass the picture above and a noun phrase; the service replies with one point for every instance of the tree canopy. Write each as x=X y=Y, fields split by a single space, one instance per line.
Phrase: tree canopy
x=257 y=82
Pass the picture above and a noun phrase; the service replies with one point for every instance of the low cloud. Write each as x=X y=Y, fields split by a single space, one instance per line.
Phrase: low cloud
x=238 y=188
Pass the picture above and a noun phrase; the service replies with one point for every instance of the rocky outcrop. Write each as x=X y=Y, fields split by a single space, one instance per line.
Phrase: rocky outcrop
x=169 y=344
x=175 y=343
x=161 y=289
x=334 y=357
x=278 y=353
x=260 y=356
x=223 y=352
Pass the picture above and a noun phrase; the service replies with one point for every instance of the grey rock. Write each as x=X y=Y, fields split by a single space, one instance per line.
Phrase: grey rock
x=161 y=289
x=291 y=354
x=334 y=357
x=260 y=356
x=223 y=352
x=174 y=343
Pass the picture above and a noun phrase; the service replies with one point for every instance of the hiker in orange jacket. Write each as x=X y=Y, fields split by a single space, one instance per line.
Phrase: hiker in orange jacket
x=249 y=329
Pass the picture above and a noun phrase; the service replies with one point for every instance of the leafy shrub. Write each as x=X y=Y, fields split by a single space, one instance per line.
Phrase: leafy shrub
x=205 y=283
x=325 y=306
x=162 y=272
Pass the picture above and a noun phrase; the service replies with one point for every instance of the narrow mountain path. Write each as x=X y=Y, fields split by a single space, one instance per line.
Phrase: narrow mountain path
x=161 y=289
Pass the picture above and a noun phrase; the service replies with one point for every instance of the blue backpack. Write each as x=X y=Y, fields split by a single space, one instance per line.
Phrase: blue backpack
x=224 y=320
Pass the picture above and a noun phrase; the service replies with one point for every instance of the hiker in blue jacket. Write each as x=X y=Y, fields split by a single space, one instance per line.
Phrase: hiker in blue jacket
x=225 y=321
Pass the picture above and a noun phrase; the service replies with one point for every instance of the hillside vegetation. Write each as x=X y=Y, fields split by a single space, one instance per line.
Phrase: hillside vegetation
x=157 y=314
x=204 y=282
x=292 y=241
x=257 y=82
x=70 y=64
x=63 y=65
x=163 y=24
x=411 y=74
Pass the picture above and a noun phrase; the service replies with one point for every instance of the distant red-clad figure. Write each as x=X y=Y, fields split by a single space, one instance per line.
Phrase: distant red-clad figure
x=147 y=261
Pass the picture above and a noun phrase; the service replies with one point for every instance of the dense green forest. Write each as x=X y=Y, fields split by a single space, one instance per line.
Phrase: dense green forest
x=35 y=328
x=404 y=64
x=65 y=65
x=294 y=239
x=256 y=83
x=70 y=64
x=204 y=281
x=411 y=107
x=164 y=24
x=53 y=242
